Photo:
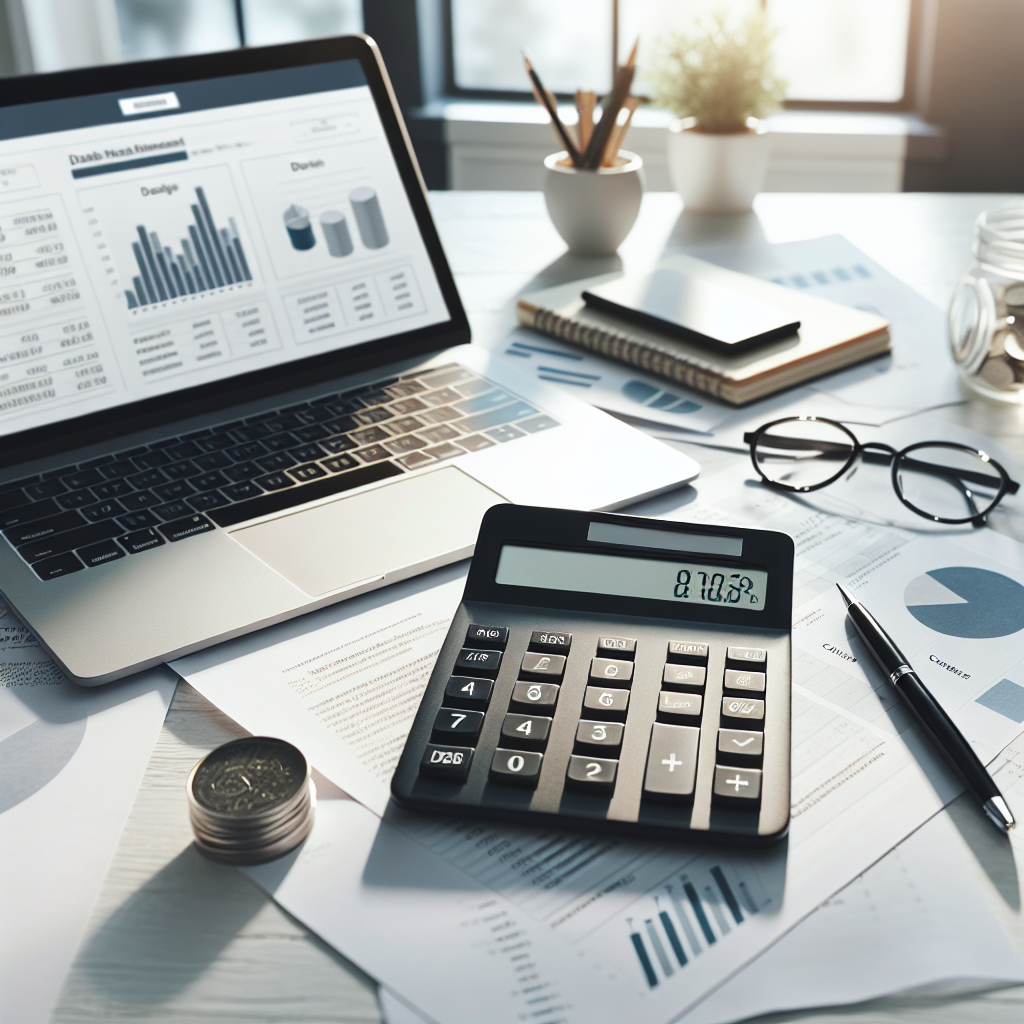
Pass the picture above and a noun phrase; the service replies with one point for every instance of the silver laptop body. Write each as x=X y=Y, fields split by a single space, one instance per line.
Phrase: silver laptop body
x=234 y=378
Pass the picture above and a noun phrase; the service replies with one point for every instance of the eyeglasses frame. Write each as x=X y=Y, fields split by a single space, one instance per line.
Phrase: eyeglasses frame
x=861 y=450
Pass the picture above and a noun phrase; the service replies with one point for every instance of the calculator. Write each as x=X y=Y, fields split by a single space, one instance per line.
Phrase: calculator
x=616 y=673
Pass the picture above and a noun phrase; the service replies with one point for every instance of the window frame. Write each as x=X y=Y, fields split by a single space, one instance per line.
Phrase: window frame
x=906 y=103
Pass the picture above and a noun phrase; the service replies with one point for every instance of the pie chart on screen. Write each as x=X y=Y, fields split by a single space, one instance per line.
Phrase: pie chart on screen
x=968 y=602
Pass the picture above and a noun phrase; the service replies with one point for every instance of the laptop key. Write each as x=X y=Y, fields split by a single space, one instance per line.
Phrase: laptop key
x=151 y=460
x=406 y=425
x=208 y=481
x=241 y=471
x=371 y=435
x=172 y=510
x=102 y=510
x=437 y=434
x=373 y=454
x=280 y=442
x=82 y=478
x=75 y=499
x=175 y=489
x=495 y=417
x=37 y=529
x=215 y=442
x=28 y=513
x=505 y=433
x=409 y=443
x=15 y=496
x=138 y=520
x=146 y=479
x=57 y=544
x=140 y=499
x=370 y=416
x=274 y=481
x=239 y=492
x=111 y=489
x=207 y=500
x=141 y=540
x=538 y=423
x=339 y=464
x=341 y=425
x=475 y=442
x=335 y=445
x=116 y=470
x=310 y=471
x=45 y=489
x=244 y=452
x=307 y=453
x=279 y=460
x=312 y=432
x=215 y=460
x=184 y=450
x=61 y=565
x=97 y=554
x=180 y=470
x=179 y=529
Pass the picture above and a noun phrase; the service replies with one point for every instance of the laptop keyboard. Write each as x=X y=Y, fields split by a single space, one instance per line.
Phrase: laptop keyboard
x=86 y=515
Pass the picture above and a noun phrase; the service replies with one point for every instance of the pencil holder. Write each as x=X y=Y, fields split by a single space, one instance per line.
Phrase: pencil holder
x=593 y=210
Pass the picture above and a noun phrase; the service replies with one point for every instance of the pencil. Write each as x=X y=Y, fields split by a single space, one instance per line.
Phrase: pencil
x=609 y=112
x=615 y=140
x=585 y=103
x=546 y=101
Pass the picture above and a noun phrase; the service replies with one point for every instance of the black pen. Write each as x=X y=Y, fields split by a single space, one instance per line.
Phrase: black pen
x=946 y=736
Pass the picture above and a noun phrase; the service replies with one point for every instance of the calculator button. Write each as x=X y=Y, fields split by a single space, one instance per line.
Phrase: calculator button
x=682 y=705
x=600 y=734
x=752 y=655
x=550 y=665
x=672 y=760
x=464 y=692
x=619 y=646
x=680 y=650
x=604 y=670
x=743 y=708
x=740 y=742
x=445 y=762
x=486 y=636
x=684 y=675
x=520 y=767
x=737 y=783
x=451 y=723
x=544 y=640
x=541 y=695
x=478 y=663
x=525 y=729
x=752 y=682
x=598 y=772
x=609 y=701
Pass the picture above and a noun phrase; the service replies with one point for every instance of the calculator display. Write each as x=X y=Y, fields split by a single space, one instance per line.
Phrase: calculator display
x=622 y=576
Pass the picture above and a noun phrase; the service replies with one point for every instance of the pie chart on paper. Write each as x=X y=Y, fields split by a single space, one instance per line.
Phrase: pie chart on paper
x=968 y=602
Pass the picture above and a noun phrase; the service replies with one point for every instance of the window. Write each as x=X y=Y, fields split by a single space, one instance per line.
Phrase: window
x=163 y=28
x=832 y=52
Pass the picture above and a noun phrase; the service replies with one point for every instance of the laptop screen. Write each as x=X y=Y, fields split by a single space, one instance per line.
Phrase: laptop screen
x=153 y=240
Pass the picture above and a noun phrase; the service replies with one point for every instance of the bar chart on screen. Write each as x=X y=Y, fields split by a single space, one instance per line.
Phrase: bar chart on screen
x=176 y=240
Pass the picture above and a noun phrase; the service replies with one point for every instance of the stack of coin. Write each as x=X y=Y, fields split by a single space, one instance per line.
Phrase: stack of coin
x=250 y=801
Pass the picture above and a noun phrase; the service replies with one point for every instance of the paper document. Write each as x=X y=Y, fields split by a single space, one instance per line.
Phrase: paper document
x=71 y=760
x=344 y=691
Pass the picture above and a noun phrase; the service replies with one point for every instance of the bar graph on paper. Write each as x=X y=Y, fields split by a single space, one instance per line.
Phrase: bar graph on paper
x=670 y=928
x=209 y=257
x=170 y=238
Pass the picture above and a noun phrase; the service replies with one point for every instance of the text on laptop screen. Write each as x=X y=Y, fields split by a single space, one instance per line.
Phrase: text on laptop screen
x=158 y=239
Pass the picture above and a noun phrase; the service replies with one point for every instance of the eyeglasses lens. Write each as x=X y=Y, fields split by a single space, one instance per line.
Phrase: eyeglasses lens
x=802 y=453
x=949 y=483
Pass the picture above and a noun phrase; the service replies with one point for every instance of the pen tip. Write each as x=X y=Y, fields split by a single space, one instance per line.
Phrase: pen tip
x=999 y=814
x=846 y=597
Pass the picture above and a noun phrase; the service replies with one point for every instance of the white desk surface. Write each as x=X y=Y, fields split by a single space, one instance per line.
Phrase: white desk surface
x=176 y=938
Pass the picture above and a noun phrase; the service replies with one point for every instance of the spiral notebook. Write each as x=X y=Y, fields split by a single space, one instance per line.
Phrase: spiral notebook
x=831 y=336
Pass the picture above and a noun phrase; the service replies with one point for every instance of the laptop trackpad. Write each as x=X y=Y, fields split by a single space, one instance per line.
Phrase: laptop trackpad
x=421 y=519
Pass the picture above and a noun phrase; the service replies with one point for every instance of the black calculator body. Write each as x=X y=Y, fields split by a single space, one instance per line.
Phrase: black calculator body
x=613 y=672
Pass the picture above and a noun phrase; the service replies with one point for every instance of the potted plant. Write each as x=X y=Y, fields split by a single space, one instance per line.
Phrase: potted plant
x=719 y=81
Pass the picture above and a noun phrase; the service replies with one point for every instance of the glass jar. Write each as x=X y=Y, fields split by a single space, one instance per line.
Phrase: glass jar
x=986 y=315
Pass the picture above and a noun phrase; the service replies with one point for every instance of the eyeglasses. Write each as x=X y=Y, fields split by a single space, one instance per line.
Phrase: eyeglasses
x=942 y=481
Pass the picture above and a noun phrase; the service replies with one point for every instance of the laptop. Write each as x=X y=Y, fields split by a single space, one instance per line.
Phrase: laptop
x=235 y=378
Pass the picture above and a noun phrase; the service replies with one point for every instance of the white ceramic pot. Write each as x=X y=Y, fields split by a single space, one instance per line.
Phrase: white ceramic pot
x=593 y=210
x=718 y=173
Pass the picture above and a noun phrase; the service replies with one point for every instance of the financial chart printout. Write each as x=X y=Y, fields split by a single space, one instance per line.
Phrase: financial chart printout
x=165 y=238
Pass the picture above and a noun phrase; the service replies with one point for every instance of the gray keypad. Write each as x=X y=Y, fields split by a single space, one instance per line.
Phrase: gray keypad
x=600 y=734
x=682 y=705
x=539 y=695
x=549 y=665
x=745 y=708
x=741 y=741
x=748 y=681
x=672 y=760
x=737 y=783
x=592 y=771
x=605 y=670
x=753 y=655
x=599 y=698
x=684 y=675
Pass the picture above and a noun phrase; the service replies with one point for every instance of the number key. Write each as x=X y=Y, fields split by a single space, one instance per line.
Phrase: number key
x=549 y=665
x=592 y=772
x=541 y=695
x=487 y=636
x=600 y=734
x=604 y=670
x=445 y=762
x=478 y=663
x=544 y=640
x=451 y=723
x=617 y=646
x=606 y=702
x=464 y=692
x=525 y=729
x=520 y=767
